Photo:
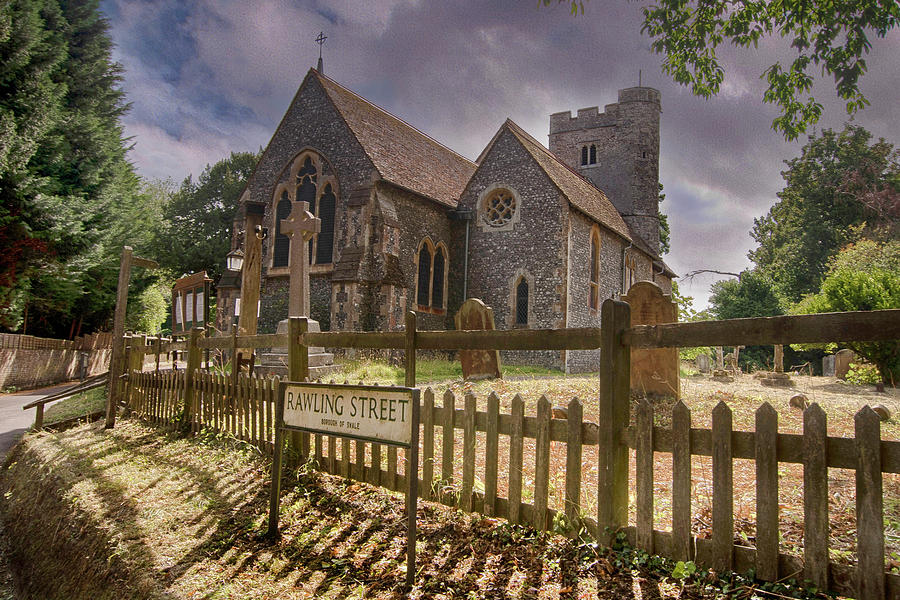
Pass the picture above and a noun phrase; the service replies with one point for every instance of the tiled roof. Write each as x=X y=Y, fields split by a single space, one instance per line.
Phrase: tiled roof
x=580 y=192
x=402 y=154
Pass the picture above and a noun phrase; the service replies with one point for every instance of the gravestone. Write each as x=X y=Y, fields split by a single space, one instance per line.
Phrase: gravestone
x=828 y=365
x=702 y=362
x=720 y=357
x=477 y=364
x=842 y=360
x=653 y=370
x=300 y=226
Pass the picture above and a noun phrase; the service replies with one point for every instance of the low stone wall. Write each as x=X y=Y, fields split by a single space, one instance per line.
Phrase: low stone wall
x=35 y=366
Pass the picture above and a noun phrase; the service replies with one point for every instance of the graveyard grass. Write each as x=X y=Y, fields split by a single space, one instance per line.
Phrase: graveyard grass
x=164 y=517
x=136 y=513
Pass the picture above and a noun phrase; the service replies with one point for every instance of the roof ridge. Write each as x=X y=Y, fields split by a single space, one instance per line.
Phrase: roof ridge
x=547 y=151
x=391 y=115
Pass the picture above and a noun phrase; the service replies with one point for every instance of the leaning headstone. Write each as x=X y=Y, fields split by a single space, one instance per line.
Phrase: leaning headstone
x=828 y=365
x=702 y=363
x=842 y=360
x=653 y=370
x=477 y=364
x=882 y=411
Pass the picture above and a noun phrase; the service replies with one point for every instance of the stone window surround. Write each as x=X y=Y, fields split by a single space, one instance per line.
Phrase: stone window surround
x=295 y=164
x=433 y=249
x=482 y=198
x=594 y=286
x=589 y=155
x=513 y=284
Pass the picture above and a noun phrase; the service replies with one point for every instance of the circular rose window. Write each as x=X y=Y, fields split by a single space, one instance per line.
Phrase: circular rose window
x=499 y=208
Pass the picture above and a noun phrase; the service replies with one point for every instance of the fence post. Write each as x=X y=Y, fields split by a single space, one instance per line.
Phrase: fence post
x=298 y=370
x=115 y=361
x=193 y=363
x=615 y=384
x=410 y=356
x=134 y=363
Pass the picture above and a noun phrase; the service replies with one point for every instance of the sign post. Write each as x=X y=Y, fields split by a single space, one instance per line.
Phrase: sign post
x=378 y=414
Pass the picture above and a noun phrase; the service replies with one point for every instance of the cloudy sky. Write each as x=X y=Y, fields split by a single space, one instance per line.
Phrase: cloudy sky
x=209 y=77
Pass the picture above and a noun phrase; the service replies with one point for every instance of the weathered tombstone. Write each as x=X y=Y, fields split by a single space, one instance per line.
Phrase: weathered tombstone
x=653 y=370
x=828 y=365
x=702 y=362
x=720 y=358
x=842 y=360
x=779 y=358
x=477 y=364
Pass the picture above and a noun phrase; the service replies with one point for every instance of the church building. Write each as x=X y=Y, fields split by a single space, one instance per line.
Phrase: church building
x=541 y=235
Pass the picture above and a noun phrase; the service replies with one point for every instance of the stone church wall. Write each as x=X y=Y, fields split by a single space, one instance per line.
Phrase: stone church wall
x=534 y=247
x=579 y=313
x=310 y=124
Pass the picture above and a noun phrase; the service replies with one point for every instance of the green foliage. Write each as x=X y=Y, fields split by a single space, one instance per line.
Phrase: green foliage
x=684 y=570
x=840 y=186
x=66 y=184
x=686 y=312
x=751 y=295
x=827 y=37
x=855 y=284
x=149 y=310
x=198 y=217
x=832 y=38
x=665 y=234
x=862 y=373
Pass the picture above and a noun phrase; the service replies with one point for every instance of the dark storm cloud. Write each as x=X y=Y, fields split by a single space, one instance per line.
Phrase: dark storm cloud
x=207 y=78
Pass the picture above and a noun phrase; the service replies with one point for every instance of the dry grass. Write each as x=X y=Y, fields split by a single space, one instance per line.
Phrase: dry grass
x=840 y=401
x=132 y=513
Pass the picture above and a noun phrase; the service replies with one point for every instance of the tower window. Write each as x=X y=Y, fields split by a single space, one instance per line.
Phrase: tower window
x=593 y=159
x=584 y=155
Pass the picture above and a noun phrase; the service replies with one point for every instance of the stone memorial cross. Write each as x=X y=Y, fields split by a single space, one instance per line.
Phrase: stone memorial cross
x=300 y=226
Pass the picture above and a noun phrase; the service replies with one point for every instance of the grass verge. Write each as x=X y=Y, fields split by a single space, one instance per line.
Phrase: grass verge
x=135 y=513
x=76 y=406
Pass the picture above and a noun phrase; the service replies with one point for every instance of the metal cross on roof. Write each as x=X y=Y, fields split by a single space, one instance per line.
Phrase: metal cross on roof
x=320 y=40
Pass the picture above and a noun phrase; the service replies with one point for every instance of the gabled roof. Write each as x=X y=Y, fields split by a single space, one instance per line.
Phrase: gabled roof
x=402 y=154
x=580 y=192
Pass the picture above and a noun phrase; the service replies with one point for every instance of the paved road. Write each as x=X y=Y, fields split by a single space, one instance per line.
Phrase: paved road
x=13 y=420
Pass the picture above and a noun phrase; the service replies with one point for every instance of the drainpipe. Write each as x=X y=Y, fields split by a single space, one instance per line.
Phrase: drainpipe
x=624 y=252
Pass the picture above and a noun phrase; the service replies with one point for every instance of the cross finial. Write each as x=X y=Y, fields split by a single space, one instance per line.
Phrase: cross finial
x=320 y=40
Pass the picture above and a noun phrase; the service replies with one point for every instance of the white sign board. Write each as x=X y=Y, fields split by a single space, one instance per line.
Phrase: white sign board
x=380 y=414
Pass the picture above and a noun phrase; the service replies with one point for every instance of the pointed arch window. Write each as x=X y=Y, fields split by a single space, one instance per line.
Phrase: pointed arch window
x=282 y=246
x=431 y=277
x=594 y=289
x=593 y=159
x=310 y=180
x=522 y=302
x=584 y=155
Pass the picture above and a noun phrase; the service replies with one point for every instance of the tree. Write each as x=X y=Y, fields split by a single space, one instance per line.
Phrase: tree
x=66 y=181
x=665 y=234
x=864 y=277
x=831 y=37
x=751 y=295
x=197 y=220
x=825 y=205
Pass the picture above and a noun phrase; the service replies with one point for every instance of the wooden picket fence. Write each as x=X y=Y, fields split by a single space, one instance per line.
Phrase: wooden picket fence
x=244 y=406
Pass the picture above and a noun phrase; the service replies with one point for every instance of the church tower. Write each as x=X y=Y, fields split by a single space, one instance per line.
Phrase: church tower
x=618 y=151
